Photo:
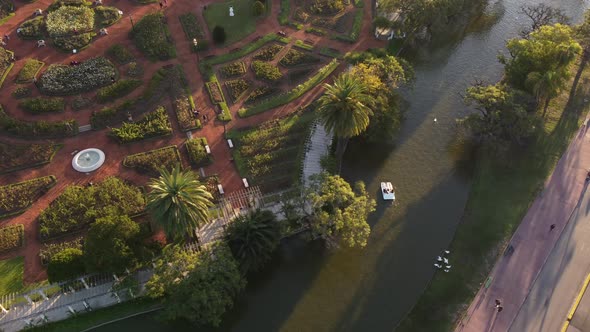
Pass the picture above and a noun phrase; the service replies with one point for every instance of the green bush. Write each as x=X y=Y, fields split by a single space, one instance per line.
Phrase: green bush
x=237 y=88
x=37 y=129
x=21 y=92
x=298 y=58
x=29 y=71
x=79 y=206
x=152 y=37
x=219 y=35
x=354 y=34
x=153 y=124
x=68 y=20
x=66 y=264
x=197 y=153
x=61 y=3
x=192 y=28
x=106 y=16
x=151 y=161
x=73 y=42
x=80 y=103
x=117 y=90
x=315 y=31
x=225 y=114
x=183 y=102
x=12 y=237
x=285 y=12
x=326 y=7
x=41 y=105
x=134 y=69
x=266 y=71
x=51 y=249
x=17 y=197
x=32 y=29
x=70 y=80
x=268 y=53
x=259 y=8
x=120 y=54
x=259 y=93
x=233 y=69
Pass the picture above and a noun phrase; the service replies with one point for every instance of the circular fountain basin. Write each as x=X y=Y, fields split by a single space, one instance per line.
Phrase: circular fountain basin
x=88 y=160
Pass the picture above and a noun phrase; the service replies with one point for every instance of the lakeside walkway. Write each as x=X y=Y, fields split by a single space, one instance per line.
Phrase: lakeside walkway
x=517 y=269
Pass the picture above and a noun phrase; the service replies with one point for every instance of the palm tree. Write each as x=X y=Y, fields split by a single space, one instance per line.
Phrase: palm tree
x=546 y=86
x=178 y=202
x=252 y=239
x=344 y=110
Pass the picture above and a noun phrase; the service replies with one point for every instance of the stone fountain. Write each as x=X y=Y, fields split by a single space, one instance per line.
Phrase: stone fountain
x=88 y=160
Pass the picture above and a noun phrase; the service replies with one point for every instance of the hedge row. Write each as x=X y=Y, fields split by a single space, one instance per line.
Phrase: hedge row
x=152 y=161
x=29 y=71
x=117 y=90
x=14 y=157
x=42 y=105
x=37 y=129
x=197 y=153
x=12 y=237
x=152 y=37
x=153 y=124
x=17 y=197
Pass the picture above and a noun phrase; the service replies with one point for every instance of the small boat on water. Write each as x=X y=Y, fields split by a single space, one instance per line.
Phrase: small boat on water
x=388 y=191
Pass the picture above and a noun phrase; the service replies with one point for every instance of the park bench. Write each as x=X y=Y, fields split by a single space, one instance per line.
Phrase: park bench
x=245 y=183
x=207 y=149
x=220 y=188
x=230 y=143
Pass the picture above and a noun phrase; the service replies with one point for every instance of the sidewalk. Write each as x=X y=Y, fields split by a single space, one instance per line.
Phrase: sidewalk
x=515 y=273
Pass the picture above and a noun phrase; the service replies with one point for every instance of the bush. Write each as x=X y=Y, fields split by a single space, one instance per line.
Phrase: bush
x=17 y=197
x=68 y=20
x=80 y=103
x=151 y=161
x=69 y=80
x=233 y=69
x=29 y=71
x=354 y=34
x=79 y=206
x=297 y=58
x=152 y=37
x=183 y=102
x=259 y=93
x=73 y=42
x=66 y=264
x=225 y=114
x=32 y=29
x=153 y=124
x=326 y=7
x=259 y=8
x=237 y=88
x=106 y=16
x=40 y=105
x=266 y=71
x=117 y=90
x=219 y=35
x=37 y=129
x=268 y=53
x=21 y=92
x=61 y=3
x=120 y=54
x=134 y=69
x=197 y=153
x=12 y=237
x=51 y=249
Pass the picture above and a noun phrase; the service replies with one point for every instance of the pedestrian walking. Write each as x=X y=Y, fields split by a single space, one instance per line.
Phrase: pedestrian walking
x=498 y=303
x=552 y=227
x=500 y=308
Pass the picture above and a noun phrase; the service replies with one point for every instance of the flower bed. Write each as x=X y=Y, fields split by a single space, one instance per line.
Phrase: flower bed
x=298 y=58
x=326 y=7
x=354 y=34
x=6 y=63
x=151 y=161
x=6 y=10
x=17 y=197
x=15 y=157
x=41 y=105
x=106 y=16
x=32 y=29
x=134 y=69
x=266 y=71
x=193 y=30
x=109 y=115
x=21 y=92
x=117 y=90
x=29 y=71
x=153 y=124
x=48 y=250
x=11 y=237
x=215 y=92
x=69 y=80
x=268 y=53
x=79 y=206
x=237 y=88
x=37 y=129
x=260 y=93
x=183 y=102
x=68 y=20
x=73 y=42
x=197 y=153
x=151 y=36
x=233 y=69
x=120 y=54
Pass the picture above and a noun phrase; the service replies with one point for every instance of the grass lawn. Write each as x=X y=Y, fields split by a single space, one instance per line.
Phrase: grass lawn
x=502 y=191
x=11 y=275
x=237 y=27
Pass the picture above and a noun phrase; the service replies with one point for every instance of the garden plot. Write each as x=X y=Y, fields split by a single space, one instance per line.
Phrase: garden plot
x=338 y=17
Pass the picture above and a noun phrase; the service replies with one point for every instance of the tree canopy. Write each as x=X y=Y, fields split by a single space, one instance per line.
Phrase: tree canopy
x=66 y=264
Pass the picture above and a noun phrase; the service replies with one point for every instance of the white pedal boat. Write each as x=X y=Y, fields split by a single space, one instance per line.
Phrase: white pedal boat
x=387 y=191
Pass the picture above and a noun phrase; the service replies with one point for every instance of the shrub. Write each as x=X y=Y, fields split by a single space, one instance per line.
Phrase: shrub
x=151 y=161
x=61 y=3
x=266 y=71
x=259 y=8
x=297 y=58
x=353 y=36
x=134 y=69
x=69 y=80
x=40 y=105
x=51 y=249
x=237 y=88
x=183 y=102
x=37 y=129
x=268 y=53
x=219 y=35
x=259 y=93
x=152 y=37
x=66 y=264
x=326 y=7
x=11 y=237
x=153 y=124
x=32 y=29
x=117 y=90
x=120 y=54
x=79 y=206
x=6 y=10
x=68 y=20
x=17 y=197
x=80 y=103
x=225 y=114
x=233 y=69
x=21 y=92
x=315 y=31
x=29 y=71
x=197 y=153
x=106 y=16
x=192 y=30
x=20 y=156
x=73 y=42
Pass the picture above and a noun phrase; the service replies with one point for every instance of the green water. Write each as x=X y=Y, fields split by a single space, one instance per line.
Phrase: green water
x=307 y=288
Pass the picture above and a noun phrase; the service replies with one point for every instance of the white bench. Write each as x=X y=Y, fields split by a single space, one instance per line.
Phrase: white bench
x=245 y=183
x=230 y=143
x=207 y=149
x=220 y=188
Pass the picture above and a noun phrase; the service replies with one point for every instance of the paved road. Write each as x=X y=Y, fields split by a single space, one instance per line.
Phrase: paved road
x=561 y=278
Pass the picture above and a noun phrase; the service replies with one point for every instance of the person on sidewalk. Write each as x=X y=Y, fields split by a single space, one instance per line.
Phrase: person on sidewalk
x=552 y=227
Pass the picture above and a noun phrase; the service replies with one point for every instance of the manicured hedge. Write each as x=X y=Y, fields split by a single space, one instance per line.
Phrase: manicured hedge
x=237 y=88
x=106 y=16
x=249 y=48
x=152 y=37
x=183 y=102
x=12 y=237
x=233 y=69
x=50 y=249
x=354 y=34
x=120 y=54
x=153 y=124
x=225 y=114
x=32 y=29
x=297 y=58
x=21 y=92
x=17 y=197
x=74 y=42
x=6 y=63
x=37 y=129
x=214 y=90
x=193 y=30
x=108 y=115
x=268 y=53
x=15 y=157
x=29 y=71
x=197 y=153
x=261 y=92
x=152 y=161
x=266 y=71
x=68 y=20
x=117 y=90
x=42 y=105
x=70 y=80
x=79 y=206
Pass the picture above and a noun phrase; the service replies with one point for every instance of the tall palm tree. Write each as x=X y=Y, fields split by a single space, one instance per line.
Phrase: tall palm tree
x=546 y=86
x=344 y=110
x=252 y=239
x=178 y=202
